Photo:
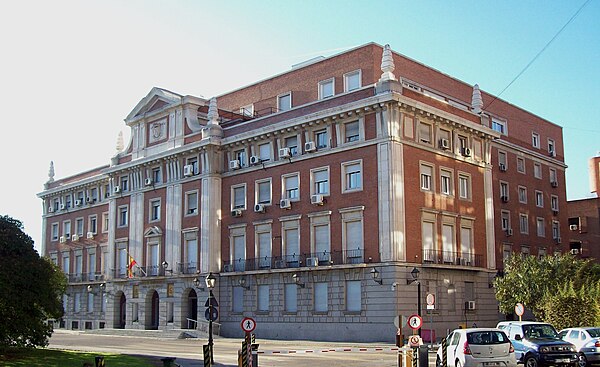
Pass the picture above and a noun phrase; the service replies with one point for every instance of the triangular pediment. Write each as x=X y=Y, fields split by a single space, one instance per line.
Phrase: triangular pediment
x=153 y=231
x=157 y=99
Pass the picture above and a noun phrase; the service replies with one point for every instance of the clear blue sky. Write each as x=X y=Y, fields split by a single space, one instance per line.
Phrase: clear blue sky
x=70 y=71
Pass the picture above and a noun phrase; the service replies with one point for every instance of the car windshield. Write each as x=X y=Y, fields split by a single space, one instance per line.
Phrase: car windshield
x=539 y=331
x=486 y=337
x=594 y=333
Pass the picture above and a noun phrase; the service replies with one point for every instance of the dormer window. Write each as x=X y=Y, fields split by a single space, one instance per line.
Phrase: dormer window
x=284 y=102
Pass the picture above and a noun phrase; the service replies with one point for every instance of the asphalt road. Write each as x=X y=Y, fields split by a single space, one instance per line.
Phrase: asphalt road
x=273 y=352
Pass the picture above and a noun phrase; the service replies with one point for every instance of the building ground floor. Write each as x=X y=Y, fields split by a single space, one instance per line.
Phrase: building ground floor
x=355 y=303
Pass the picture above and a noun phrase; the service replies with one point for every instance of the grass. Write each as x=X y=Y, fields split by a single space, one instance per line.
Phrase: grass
x=66 y=358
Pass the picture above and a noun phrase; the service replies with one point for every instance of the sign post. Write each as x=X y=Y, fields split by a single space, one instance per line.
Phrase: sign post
x=414 y=341
x=211 y=314
x=248 y=325
x=519 y=310
x=430 y=307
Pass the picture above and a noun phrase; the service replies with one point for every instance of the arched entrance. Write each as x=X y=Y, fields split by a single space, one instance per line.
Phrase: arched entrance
x=192 y=310
x=120 y=311
x=152 y=310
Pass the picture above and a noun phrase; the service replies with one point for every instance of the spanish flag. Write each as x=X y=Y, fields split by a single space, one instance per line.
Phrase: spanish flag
x=130 y=266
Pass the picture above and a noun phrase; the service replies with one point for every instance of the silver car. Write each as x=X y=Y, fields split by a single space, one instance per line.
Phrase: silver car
x=477 y=347
x=587 y=342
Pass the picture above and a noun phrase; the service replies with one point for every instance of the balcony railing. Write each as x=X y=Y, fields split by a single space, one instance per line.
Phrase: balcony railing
x=323 y=258
x=452 y=258
x=85 y=277
x=187 y=268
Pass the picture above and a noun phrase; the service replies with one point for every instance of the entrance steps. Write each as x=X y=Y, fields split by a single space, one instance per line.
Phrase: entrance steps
x=165 y=334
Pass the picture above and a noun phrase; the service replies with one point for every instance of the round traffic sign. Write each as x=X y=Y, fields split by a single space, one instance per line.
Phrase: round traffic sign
x=430 y=299
x=415 y=322
x=414 y=341
x=519 y=309
x=248 y=324
x=215 y=314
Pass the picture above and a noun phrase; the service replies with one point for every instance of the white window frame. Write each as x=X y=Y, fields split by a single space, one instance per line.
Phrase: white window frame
x=524 y=223
x=464 y=191
x=554 y=202
x=124 y=183
x=323 y=84
x=502 y=124
x=321 y=289
x=233 y=197
x=257 y=185
x=105 y=222
x=247 y=110
x=521 y=159
x=279 y=106
x=535 y=140
x=270 y=151
x=284 y=188
x=428 y=141
x=157 y=174
x=552 y=175
x=522 y=198
x=540 y=225
x=346 y=176
x=120 y=210
x=67 y=229
x=313 y=182
x=353 y=296
x=504 y=189
x=291 y=298
x=539 y=199
x=503 y=158
x=154 y=203
x=505 y=220
x=555 y=229
x=93 y=223
x=355 y=137
x=54 y=231
x=188 y=207
x=294 y=149
x=262 y=298
x=537 y=170
x=347 y=77
x=316 y=137
x=426 y=177
x=79 y=226
x=446 y=182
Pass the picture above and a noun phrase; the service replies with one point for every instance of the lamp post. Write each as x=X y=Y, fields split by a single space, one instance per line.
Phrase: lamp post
x=414 y=273
x=210 y=284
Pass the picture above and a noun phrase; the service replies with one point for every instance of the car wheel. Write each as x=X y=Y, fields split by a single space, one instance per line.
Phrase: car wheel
x=530 y=361
x=581 y=360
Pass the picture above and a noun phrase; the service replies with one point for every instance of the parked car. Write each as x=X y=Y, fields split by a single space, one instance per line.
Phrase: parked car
x=478 y=347
x=537 y=344
x=587 y=342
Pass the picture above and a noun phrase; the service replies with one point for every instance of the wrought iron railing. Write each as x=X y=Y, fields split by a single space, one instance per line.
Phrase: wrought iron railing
x=187 y=268
x=452 y=258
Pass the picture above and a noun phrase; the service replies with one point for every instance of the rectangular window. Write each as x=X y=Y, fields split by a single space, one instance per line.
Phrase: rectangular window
x=284 y=102
x=524 y=223
x=499 y=126
x=94 y=194
x=247 y=111
x=520 y=165
x=263 y=192
x=291 y=187
x=354 y=236
x=321 y=139
x=352 y=131
x=156 y=175
x=154 y=210
x=504 y=191
x=135 y=312
x=105 y=222
x=263 y=298
x=535 y=140
x=427 y=231
x=505 y=220
x=240 y=155
x=555 y=230
x=553 y=177
x=554 y=203
x=77 y=303
x=264 y=152
x=326 y=88
x=321 y=297
x=93 y=224
x=541 y=253
x=67 y=229
x=448 y=243
x=541 y=227
x=79 y=264
x=292 y=143
x=525 y=250
x=264 y=249
x=446 y=182
x=466 y=246
x=191 y=203
x=90 y=304
x=291 y=298
x=352 y=176
x=66 y=263
x=238 y=194
x=322 y=246
x=79 y=226
x=292 y=247
x=352 y=81
x=502 y=161
x=123 y=217
x=539 y=199
x=191 y=252
x=353 y=296
x=424 y=133
x=54 y=231
x=537 y=170
x=506 y=252
x=238 y=300
x=464 y=186
x=522 y=195
x=239 y=253
x=193 y=161
x=320 y=180
x=551 y=148
x=426 y=174
x=68 y=201
x=124 y=183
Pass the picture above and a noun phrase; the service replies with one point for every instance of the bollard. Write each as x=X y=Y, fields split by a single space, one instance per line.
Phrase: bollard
x=423 y=356
x=254 y=354
x=168 y=361
x=444 y=352
x=207 y=355
x=99 y=361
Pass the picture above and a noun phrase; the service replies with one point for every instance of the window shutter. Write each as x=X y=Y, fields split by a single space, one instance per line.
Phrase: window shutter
x=322 y=239
x=354 y=235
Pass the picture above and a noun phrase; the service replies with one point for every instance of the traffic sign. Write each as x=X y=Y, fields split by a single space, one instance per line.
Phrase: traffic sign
x=215 y=314
x=415 y=322
x=248 y=324
x=519 y=309
x=430 y=299
x=211 y=301
x=415 y=341
x=399 y=321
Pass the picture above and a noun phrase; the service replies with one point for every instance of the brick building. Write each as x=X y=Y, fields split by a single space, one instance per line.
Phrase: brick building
x=312 y=195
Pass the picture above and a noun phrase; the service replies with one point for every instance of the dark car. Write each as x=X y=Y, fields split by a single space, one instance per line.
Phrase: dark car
x=538 y=344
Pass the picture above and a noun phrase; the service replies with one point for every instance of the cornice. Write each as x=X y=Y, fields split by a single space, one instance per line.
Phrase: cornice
x=530 y=152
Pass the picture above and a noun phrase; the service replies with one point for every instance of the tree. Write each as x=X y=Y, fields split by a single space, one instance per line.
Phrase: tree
x=570 y=308
x=31 y=289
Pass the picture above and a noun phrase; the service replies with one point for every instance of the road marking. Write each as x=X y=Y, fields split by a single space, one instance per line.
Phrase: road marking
x=338 y=350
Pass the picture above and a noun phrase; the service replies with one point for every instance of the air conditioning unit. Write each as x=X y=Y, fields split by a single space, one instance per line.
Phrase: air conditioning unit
x=117 y=189
x=574 y=251
x=558 y=240
x=227 y=268
x=444 y=144
x=504 y=199
x=259 y=208
x=62 y=239
x=466 y=152
x=470 y=305
x=502 y=167
x=554 y=183
x=89 y=200
x=236 y=213
x=235 y=164
x=509 y=232
x=312 y=261
x=573 y=227
x=50 y=209
x=75 y=238
x=148 y=182
x=285 y=204
x=554 y=211
x=90 y=236
x=188 y=170
x=316 y=199
x=63 y=206
x=254 y=160
x=310 y=146
x=78 y=202
x=284 y=153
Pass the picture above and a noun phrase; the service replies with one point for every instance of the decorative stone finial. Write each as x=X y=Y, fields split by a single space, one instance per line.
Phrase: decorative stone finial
x=387 y=65
x=119 y=146
x=476 y=100
x=51 y=172
x=213 y=112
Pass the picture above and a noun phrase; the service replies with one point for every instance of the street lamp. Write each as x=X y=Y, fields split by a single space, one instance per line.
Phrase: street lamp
x=165 y=265
x=414 y=273
x=375 y=276
x=210 y=284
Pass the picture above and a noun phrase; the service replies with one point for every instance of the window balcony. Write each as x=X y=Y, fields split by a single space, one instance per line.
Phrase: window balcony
x=187 y=268
x=452 y=258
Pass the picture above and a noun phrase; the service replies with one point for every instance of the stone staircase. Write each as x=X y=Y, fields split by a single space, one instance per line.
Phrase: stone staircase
x=158 y=334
